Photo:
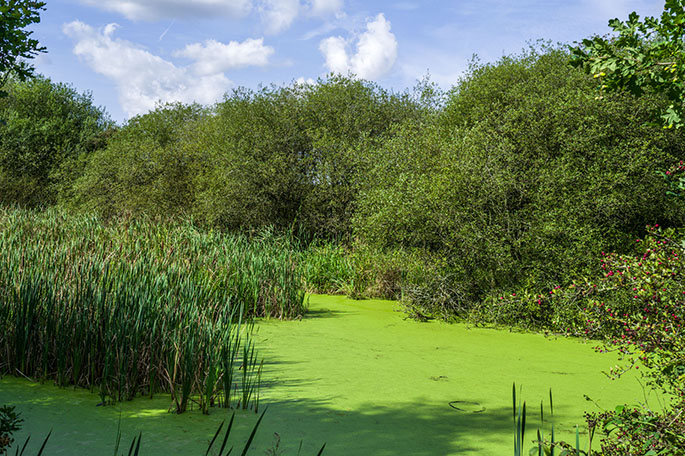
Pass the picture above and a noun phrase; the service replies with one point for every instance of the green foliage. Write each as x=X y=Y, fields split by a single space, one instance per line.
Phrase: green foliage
x=675 y=180
x=645 y=56
x=293 y=155
x=147 y=167
x=10 y=422
x=381 y=273
x=636 y=306
x=48 y=131
x=636 y=430
x=276 y=157
x=647 y=309
x=344 y=119
x=327 y=268
x=16 y=44
x=360 y=272
x=519 y=179
x=514 y=179
x=253 y=175
x=136 y=307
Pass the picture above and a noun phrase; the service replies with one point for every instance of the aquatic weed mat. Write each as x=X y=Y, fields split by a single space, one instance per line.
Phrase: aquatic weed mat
x=363 y=379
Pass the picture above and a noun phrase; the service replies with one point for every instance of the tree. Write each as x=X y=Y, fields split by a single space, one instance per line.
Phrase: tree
x=16 y=43
x=522 y=175
x=147 y=167
x=646 y=56
x=49 y=132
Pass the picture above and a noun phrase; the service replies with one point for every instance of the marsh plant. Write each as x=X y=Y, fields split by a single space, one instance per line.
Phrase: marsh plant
x=11 y=422
x=220 y=445
x=139 y=308
x=541 y=445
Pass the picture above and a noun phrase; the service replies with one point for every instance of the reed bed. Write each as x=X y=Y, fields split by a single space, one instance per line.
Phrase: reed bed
x=136 y=307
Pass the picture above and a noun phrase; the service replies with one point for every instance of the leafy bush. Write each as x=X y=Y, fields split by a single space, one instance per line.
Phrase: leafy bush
x=147 y=167
x=362 y=272
x=47 y=132
x=636 y=306
x=293 y=156
x=279 y=157
x=10 y=422
x=327 y=268
x=521 y=179
x=641 y=431
x=344 y=119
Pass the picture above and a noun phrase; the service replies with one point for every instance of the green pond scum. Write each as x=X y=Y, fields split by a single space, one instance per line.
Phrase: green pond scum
x=361 y=378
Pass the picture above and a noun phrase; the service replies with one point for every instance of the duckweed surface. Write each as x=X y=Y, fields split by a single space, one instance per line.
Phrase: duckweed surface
x=359 y=377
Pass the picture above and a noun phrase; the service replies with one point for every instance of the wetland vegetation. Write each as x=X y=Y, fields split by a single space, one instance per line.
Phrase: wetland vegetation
x=168 y=259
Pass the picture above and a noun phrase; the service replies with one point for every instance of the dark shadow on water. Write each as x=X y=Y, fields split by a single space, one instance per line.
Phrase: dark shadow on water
x=374 y=429
x=325 y=313
x=411 y=429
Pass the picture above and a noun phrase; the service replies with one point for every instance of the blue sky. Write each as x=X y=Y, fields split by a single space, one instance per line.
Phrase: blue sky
x=133 y=53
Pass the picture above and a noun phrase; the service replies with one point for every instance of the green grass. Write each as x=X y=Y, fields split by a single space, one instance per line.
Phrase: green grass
x=136 y=307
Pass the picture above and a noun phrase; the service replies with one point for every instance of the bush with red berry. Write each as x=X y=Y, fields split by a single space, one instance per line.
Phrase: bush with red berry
x=636 y=305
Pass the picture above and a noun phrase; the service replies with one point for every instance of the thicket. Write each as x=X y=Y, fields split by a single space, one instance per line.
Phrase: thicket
x=283 y=157
x=635 y=304
x=47 y=131
x=514 y=179
x=522 y=178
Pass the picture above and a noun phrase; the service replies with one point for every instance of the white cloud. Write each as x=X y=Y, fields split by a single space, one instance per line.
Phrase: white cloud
x=215 y=57
x=278 y=15
x=153 y=10
x=143 y=79
x=326 y=7
x=334 y=49
x=302 y=81
x=376 y=51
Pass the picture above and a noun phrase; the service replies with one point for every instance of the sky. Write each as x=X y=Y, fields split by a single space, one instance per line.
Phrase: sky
x=133 y=54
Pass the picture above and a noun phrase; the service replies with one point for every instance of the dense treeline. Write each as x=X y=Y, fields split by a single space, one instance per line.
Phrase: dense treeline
x=516 y=177
x=47 y=132
x=522 y=178
x=279 y=156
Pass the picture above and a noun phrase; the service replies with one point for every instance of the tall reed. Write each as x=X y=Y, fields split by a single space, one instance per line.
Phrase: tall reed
x=138 y=307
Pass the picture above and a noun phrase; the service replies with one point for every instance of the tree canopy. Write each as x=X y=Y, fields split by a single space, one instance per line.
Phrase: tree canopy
x=49 y=131
x=645 y=55
x=16 y=43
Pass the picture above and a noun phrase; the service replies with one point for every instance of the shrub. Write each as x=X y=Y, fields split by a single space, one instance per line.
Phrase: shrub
x=521 y=179
x=636 y=306
x=10 y=422
x=362 y=272
x=147 y=167
x=279 y=157
x=327 y=268
x=47 y=132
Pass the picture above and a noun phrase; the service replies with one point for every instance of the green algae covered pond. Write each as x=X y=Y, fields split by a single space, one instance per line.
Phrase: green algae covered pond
x=359 y=377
